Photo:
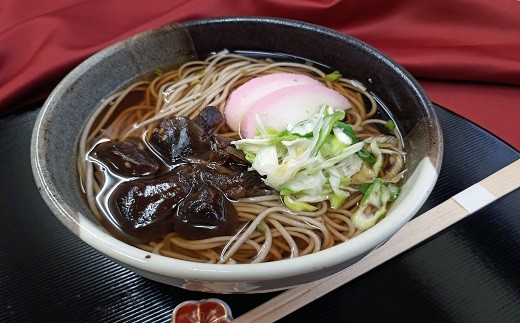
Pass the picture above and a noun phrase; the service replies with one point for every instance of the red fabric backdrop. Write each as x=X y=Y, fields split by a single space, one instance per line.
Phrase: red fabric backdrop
x=465 y=53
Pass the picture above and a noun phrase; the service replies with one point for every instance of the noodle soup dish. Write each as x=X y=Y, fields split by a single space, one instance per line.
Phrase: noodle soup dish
x=232 y=164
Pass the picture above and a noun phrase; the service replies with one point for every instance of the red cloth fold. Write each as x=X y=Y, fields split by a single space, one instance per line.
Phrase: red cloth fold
x=458 y=49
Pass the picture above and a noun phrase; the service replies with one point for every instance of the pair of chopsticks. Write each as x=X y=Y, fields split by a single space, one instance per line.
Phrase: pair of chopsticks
x=426 y=225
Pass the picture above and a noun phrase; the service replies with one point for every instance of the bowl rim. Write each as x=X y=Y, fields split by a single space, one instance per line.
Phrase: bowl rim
x=138 y=258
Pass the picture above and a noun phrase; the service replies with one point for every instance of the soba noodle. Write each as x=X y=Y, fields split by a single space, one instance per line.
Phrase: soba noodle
x=268 y=230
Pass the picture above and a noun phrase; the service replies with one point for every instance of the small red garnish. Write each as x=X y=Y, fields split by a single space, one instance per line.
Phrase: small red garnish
x=204 y=311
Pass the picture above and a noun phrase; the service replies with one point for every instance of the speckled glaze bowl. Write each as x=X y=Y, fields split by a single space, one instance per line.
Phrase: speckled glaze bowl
x=55 y=140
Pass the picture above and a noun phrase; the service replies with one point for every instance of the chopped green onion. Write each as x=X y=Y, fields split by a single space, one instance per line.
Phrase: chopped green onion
x=199 y=72
x=366 y=156
x=306 y=135
x=286 y=191
x=376 y=195
x=341 y=136
x=249 y=156
x=307 y=170
x=347 y=129
x=304 y=128
x=345 y=181
x=390 y=125
x=336 y=146
x=376 y=152
x=333 y=76
x=158 y=71
x=363 y=188
x=268 y=131
x=194 y=82
x=372 y=187
x=260 y=228
x=394 y=191
x=328 y=123
x=284 y=135
x=337 y=200
x=298 y=206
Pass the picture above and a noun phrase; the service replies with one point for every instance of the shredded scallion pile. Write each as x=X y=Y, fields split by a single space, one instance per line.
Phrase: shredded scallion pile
x=315 y=160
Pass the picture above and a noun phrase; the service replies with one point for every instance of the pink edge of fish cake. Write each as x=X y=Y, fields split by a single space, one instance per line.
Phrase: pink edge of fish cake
x=246 y=95
x=289 y=106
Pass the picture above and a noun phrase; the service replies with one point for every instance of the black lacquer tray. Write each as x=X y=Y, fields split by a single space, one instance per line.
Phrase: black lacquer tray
x=467 y=273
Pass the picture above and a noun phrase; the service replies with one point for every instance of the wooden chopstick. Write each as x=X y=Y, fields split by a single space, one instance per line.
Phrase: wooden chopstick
x=426 y=225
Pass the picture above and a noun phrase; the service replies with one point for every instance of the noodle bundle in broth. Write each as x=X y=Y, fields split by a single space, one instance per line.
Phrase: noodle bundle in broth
x=162 y=170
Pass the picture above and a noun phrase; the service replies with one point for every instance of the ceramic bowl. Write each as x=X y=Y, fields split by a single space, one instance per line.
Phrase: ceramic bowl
x=55 y=140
